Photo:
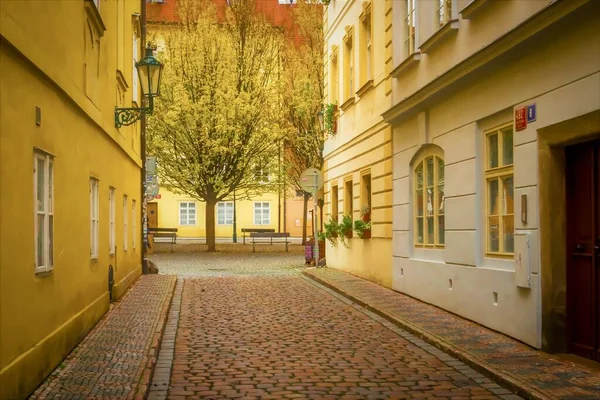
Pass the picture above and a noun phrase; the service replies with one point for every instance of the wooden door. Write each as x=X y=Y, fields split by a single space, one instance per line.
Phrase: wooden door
x=583 y=249
x=152 y=215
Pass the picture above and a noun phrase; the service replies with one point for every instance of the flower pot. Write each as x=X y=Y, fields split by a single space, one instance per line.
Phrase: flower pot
x=366 y=234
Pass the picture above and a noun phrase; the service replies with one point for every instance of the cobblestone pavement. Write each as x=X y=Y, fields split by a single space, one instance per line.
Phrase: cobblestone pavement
x=228 y=264
x=272 y=333
x=534 y=373
x=115 y=359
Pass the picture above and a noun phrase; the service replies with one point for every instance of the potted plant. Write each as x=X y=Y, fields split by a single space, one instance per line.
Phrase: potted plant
x=345 y=228
x=363 y=226
x=331 y=231
x=330 y=120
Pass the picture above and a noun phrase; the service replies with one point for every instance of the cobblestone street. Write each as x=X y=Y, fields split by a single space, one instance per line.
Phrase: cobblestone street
x=253 y=327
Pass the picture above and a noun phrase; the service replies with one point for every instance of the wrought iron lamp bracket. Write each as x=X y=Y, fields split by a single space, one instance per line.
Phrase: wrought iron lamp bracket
x=130 y=115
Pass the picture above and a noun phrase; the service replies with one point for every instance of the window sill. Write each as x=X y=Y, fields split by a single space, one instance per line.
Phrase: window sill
x=365 y=88
x=44 y=274
x=94 y=15
x=473 y=8
x=449 y=28
x=111 y=255
x=94 y=259
x=410 y=61
x=347 y=104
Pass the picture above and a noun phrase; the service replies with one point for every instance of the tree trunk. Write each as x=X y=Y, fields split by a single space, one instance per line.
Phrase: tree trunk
x=305 y=218
x=210 y=225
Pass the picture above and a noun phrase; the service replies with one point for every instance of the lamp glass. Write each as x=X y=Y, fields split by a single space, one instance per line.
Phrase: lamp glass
x=150 y=72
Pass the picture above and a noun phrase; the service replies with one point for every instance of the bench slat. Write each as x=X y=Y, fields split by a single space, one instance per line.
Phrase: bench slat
x=270 y=235
x=162 y=229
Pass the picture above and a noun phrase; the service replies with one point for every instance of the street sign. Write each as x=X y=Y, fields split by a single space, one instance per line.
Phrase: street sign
x=531 y=113
x=151 y=165
x=308 y=181
x=520 y=118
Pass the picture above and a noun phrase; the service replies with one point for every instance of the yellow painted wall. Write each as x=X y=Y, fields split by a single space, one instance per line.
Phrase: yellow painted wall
x=363 y=143
x=43 y=316
x=168 y=215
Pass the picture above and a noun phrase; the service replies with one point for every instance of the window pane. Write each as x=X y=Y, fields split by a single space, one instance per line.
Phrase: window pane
x=183 y=205
x=429 y=162
x=509 y=229
x=508 y=206
x=440 y=171
x=441 y=233
x=493 y=228
x=441 y=198
x=50 y=185
x=419 y=202
x=419 y=176
x=429 y=201
x=40 y=239
x=493 y=197
x=507 y=147
x=51 y=240
x=192 y=221
x=40 y=184
x=420 y=230
x=492 y=151
x=430 y=235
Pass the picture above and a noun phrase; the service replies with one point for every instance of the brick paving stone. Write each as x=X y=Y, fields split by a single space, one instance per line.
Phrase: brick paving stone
x=115 y=359
x=267 y=332
x=531 y=372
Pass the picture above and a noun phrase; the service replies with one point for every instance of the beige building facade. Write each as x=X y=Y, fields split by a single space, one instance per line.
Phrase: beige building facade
x=495 y=119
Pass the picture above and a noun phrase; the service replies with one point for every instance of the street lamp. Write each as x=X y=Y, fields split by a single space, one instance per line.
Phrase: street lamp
x=149 y=71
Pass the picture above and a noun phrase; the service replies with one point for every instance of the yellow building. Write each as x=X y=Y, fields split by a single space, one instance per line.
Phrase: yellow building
x=189 y=215
x=358 y=164
x=69 y=180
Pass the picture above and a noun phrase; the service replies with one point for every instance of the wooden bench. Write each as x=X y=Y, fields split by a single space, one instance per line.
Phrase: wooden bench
x=255 y=230
x=267 y=238
x=164 y=232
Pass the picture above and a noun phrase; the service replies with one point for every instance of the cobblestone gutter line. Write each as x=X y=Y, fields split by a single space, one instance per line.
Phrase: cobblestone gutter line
x=115 y=359
x=447 y=359
x=162 y=373
x=507 y=380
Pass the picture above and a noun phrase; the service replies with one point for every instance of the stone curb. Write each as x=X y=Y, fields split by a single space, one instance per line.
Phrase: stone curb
x=505 y=379
x=153 y=351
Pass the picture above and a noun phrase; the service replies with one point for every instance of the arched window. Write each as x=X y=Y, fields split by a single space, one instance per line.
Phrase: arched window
x=429 y=201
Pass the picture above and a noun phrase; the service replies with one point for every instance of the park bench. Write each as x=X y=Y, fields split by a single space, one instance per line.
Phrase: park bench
x=267 y=238
x=255 y=230
x=164 y=233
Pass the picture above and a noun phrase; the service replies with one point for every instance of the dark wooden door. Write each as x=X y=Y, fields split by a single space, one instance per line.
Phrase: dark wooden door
x=152 y=215
x=583 y=249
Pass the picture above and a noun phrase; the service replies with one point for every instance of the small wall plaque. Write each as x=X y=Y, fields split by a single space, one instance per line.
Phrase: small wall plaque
x=524 y=208
x=38 y=116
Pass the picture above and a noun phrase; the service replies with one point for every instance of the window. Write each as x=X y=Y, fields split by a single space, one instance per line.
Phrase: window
x=97 y=4
x=348 y=65
x=262 y=213
x=94 y=221
x=225 y=213
x=365 y=192
x=187 y=213
x=334 y=76
x=409 y=26
x=334 y=202
x=43 y=170
x=135 y=79
x=366 y=62
x=125 y=244
x=348 y=198
x=443 y=12
x=261 y=174
x=134 y=224
x=500 y=190
x=111 y=221
x=429 y=202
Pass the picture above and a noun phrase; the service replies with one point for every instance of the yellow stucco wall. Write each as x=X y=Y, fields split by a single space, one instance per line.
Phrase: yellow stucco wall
x=43 y=316
x=363 y=143
x=168 y=215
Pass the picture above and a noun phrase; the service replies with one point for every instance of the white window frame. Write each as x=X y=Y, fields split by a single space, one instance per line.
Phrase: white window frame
x=46 y=212
x=432 y=207
x=111 y=221
x=97 y=4
x=94 y=218
x=444 y=12
x=133 y=224
x=188 y=206
x=125 y=223
x=135 y=79
x=260 y=205
x=227 y=207
x=410 y=20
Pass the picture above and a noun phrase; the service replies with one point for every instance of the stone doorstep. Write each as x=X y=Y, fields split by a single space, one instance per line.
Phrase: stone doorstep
x=506 y=379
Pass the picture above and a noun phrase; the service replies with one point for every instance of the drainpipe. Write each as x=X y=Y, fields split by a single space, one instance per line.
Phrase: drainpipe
x=143 y=208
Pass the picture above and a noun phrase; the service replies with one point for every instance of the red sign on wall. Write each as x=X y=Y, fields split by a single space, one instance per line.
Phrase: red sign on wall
x=521 y=118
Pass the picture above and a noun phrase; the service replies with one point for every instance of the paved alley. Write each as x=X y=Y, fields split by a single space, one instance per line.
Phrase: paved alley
x=251 y=330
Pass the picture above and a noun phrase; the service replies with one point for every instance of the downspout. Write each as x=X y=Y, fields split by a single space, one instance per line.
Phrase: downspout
x=143 y=208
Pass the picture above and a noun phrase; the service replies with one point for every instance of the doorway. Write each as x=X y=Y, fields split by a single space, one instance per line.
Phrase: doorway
x=583 y=249
x=152 y=215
